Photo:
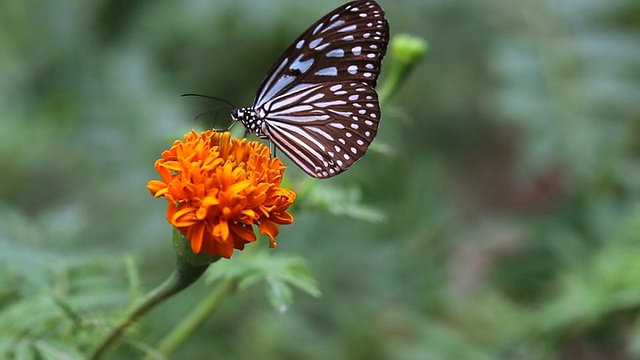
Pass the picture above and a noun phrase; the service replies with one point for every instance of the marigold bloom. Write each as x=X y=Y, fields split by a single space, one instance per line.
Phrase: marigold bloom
x=218 y=187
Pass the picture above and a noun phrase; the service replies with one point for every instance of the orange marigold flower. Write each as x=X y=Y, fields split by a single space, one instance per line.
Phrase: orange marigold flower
x=218 y=187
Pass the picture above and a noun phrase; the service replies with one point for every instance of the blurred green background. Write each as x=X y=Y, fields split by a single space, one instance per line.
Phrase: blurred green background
x=496 y=217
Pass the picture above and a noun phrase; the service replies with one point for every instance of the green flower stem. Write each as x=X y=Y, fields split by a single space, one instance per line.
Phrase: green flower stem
x=196 y=317
x=405 y=52
x=184 y=275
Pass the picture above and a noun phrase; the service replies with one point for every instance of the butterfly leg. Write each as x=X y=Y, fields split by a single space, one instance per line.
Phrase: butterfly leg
x=272 y=148
x=231 y=126
x=227 y=129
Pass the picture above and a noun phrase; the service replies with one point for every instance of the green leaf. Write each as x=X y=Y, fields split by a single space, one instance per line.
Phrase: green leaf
x=338 y=201
x=278 y=293
x=280 y=273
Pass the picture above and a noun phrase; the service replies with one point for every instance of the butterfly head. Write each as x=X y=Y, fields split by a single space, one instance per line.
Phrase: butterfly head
x=249 y=118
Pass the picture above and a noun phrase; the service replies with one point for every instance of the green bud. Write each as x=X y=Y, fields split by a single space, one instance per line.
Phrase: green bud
x=407 y=50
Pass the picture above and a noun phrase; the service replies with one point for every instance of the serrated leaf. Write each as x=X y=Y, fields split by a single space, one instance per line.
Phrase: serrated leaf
x=279 y=273
x=341 y=201
x=304 y=283
x=22 y=351
x=49 y=351
x=279 y=294
x=248 y=280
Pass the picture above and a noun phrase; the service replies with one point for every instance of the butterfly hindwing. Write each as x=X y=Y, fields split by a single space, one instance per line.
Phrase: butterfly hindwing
x=324 y=128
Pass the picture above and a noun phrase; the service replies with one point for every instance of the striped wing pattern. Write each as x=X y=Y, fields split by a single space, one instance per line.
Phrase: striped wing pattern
x=317 y=103
x=324 y=128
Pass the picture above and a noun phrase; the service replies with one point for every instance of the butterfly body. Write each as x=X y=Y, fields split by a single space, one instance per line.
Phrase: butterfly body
x=251 y=120
x=318 y=103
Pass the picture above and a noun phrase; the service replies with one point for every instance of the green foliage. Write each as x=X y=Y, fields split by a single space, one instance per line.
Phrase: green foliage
x=279 y=273
x=496 y=216
x=336 y=200
x=52 y=307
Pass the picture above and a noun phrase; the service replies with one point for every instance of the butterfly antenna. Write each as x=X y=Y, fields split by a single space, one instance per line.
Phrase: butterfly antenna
x=212 y=98
x=207 y=111
x=213 y=109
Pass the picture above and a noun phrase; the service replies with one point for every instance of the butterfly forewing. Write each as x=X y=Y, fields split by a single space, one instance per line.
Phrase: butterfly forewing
x=346 y=44
x=324 y=128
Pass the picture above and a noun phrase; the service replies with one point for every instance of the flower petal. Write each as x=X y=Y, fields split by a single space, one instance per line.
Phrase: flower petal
x=218 y=187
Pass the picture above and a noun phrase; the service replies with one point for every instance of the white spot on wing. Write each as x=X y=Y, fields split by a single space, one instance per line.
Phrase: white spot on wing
x=315 y=97
x=303 y=66
x=333 y=25
x=330 y=71
x=317 y=28
x=330 y=103
x=335 y=53
x=348 y=28
x=315 y=42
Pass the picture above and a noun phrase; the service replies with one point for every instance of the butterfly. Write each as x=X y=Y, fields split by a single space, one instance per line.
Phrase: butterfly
x=318 y=103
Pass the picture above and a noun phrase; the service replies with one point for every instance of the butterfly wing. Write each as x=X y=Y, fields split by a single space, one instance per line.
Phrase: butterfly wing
x=323 y=128
x=347 y=44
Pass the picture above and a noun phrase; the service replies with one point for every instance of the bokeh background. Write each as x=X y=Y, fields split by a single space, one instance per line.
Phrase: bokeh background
x=496 y=216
